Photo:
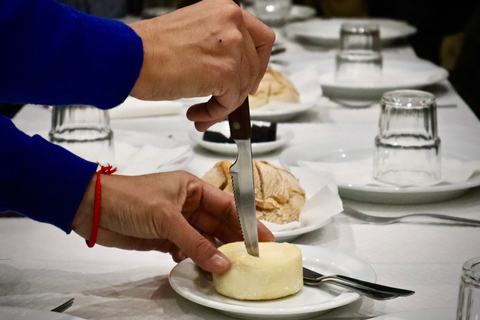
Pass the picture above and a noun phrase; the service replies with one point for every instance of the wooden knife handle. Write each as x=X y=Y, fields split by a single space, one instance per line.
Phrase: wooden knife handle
x=239 y=120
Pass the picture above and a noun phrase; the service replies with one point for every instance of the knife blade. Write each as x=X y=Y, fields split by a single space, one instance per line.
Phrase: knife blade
x=242 y=176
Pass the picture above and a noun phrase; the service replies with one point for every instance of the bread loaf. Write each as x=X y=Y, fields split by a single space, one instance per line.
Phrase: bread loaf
x=275 y=274
x=279 y=198
x=274 y=87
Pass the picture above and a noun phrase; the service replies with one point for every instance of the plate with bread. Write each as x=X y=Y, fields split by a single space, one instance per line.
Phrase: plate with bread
x=289 y=204
x=256 y=299
x=282 y=97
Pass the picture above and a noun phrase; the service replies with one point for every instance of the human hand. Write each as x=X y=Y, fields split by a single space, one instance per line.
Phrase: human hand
x=173 y=212
x=212 y=48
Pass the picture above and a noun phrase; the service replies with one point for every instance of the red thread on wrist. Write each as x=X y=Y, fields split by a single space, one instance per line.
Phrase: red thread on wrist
x=96 y=207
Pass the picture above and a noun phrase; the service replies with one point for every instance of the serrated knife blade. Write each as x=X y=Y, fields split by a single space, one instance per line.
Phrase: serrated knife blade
x=242 y=176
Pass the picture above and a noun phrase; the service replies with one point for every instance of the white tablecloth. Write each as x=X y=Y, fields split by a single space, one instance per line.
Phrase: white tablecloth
x=40 y=266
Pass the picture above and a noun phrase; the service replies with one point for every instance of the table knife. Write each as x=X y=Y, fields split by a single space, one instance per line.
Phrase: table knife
x=242 y=176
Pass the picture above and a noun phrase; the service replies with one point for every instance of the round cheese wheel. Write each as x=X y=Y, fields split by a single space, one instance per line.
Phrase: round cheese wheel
x=275 y=274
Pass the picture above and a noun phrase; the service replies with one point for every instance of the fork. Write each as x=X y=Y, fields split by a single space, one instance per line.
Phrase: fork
x=354 y=213
x=368 y=289
x=64 y=306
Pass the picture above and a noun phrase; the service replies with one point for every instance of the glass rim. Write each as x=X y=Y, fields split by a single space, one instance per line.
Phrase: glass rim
x=409 y=98
x=471 y=269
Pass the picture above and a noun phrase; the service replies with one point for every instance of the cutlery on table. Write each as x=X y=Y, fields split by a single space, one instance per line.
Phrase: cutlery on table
x=368 y=289
x=354 y=213
x=64 y=306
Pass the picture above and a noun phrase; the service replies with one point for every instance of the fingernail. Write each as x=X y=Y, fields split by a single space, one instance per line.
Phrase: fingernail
x=219 y=261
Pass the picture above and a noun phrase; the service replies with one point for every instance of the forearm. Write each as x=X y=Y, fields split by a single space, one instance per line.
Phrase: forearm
x=40 y=180
x=56 y=55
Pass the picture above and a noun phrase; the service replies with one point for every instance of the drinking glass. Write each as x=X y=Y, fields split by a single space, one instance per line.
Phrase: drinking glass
x=85 y=131
x=468 y=307
x=407 y=147
x=359 y=58
x=274 y=13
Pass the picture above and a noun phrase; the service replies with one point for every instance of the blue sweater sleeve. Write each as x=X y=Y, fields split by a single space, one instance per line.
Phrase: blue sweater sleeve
x=39 y=179
x=52 y=54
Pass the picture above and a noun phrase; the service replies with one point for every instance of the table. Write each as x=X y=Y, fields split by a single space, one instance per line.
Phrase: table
x=40 y=267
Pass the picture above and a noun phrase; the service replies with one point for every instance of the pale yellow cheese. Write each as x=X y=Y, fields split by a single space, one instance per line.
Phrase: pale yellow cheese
x=275 y=274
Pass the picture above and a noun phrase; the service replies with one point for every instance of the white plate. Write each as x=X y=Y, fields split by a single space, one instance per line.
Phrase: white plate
x=359 y=145
x=422 y=314
x=288 y=235
x=327 y=31
x=283 y=137
x=13 y=313
x=397 y=74
x=281 y=111
x=298 y=12
x=189 y=282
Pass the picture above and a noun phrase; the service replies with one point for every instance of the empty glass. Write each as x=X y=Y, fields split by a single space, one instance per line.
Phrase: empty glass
x=407 y=147
x=83 y=130
x=359 y=58
x=469 y=295
x=274 y=13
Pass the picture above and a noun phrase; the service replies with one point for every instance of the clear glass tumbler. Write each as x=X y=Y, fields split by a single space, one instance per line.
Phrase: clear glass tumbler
x=407 y=147
x=83 y=130
x=468 y=307
x=274 y=13
x=359 y=58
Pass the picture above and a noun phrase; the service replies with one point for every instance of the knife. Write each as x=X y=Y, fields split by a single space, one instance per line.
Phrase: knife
x=242 y=176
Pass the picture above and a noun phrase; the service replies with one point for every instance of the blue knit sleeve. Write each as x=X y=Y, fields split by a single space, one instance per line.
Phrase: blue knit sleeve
x=39 y=179
x=52 y=54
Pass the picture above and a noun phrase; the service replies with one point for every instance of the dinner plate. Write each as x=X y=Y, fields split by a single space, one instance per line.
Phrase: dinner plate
x=14 y=313
x=355 y=146
x=278 y=111
x=422 y=314
x=297 y=12
x=283 y=137
x=188 y=281
x=397 y=74
x=288 y=235
x=327 y=31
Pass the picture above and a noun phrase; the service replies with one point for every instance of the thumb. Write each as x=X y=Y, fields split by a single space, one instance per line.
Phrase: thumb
x=199 y=248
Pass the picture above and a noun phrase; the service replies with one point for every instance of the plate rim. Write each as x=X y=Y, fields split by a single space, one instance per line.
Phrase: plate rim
x=440 y=74
x=349 y=297
x=323 y=38
x=391 y=190
x=285 y=133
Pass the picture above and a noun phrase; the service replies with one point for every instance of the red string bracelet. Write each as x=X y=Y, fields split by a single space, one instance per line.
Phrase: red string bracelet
x=96 y=207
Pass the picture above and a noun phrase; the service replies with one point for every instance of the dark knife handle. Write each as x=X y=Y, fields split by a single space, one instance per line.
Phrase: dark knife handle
x=239 y=120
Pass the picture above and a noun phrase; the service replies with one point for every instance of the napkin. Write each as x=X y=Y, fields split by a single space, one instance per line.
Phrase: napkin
x=134 y=108
x=323 y=201
x=360 y=172
x=132 y=160
x=308 y=86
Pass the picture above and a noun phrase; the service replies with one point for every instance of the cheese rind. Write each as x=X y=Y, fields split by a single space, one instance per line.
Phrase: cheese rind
x=275 y=274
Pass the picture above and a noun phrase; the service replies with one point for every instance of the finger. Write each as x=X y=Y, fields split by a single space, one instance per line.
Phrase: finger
x=263 y=38
x=198 y=248
x=210 y=111
x=264 y=234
